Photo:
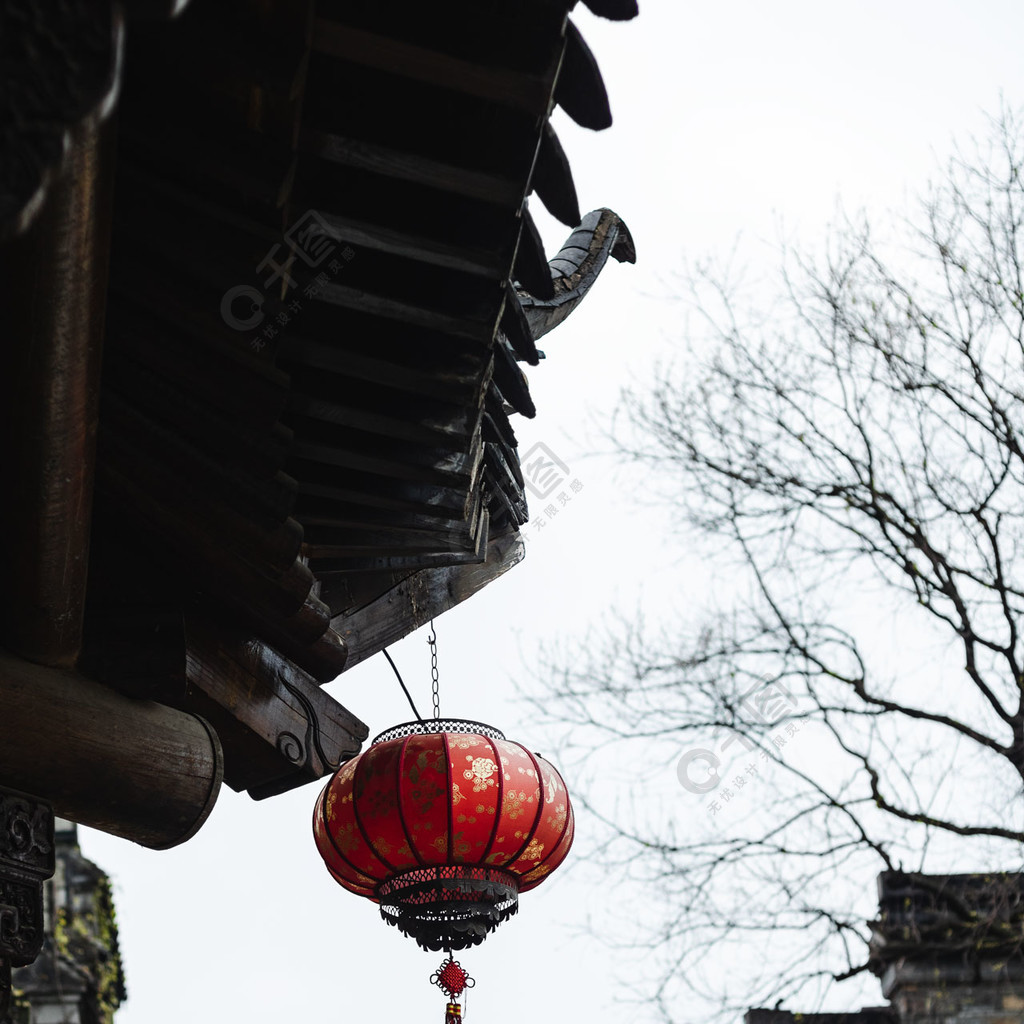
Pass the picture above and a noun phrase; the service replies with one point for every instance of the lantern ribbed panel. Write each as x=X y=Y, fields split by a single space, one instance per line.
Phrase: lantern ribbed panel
x=443 y=798
x=459 y=806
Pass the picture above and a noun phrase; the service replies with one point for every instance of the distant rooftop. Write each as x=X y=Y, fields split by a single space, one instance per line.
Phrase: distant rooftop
x=869 y=1015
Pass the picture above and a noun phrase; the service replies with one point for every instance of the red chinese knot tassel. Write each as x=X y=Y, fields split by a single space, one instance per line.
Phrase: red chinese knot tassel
x=452 y=979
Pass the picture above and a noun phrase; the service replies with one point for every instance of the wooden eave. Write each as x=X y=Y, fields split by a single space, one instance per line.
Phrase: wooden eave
x=275 y=504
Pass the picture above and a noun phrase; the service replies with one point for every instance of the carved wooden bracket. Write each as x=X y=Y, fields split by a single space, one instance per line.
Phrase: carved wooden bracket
x=26 y=861
x=278 y=727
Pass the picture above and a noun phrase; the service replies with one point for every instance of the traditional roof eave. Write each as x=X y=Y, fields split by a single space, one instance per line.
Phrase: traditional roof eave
x=281 y=496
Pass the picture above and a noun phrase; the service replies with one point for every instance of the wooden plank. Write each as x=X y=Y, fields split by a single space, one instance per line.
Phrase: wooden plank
x=320 y=482
x=510 y=88
x=373 y=515
x=355 y=563
x=346 y=592
x=496 y=419
x=479 y=330
x=249 y=390
x=267 y=594
x=485 y=262
x=424 y=435
x=424 y=122
x=507 y=477
x=457 y=227
x=190 y=310
x=195 y=495
x=458 y=471
x=156 y=226
x=523 y=36
x=421 y=597
x=335 y=538
x=353 y=559
x=245 y=458
x=284 y=610
x=435 y=431
x=412 y=167
x=457 y=385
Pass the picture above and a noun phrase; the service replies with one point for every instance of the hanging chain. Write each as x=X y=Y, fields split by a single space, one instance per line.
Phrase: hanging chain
x=432 y=640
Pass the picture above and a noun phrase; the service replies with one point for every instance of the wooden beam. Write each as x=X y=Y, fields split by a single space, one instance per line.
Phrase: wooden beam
x=421 y=597
x=482 y=261
x=135 y=769
x=512 y=88
x=460 y=384
x=280 y=729
x=404 y=166
x=418 y=315
x=53 y=298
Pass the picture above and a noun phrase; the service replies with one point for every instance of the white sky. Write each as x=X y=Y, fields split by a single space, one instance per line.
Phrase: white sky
x=731 y=118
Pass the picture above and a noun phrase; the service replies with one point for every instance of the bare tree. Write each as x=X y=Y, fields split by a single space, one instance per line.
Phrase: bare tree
x=851 y=465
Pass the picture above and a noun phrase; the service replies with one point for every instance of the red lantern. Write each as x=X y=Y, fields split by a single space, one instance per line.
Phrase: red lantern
x=444 y=823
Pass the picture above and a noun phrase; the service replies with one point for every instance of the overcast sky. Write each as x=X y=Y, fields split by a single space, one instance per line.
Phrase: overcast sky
x=736 y=119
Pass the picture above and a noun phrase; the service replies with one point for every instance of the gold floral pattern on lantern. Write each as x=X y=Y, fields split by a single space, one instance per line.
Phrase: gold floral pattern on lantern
x=514 y=802
x=534 y=851
x=480 y=772
x=346 y=837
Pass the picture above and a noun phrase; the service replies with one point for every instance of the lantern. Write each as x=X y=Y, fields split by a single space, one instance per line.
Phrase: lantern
x=443 y=824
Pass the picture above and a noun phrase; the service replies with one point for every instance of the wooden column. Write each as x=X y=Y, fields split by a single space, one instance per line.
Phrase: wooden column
x=53 y=282
x=132 y=768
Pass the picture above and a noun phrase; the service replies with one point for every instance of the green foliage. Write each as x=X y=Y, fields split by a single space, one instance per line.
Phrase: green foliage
x=20 y=1011
x=90 y=940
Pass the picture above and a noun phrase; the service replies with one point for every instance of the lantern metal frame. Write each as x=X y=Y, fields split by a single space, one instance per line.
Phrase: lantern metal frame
x=424 y=727
x=448 y=906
